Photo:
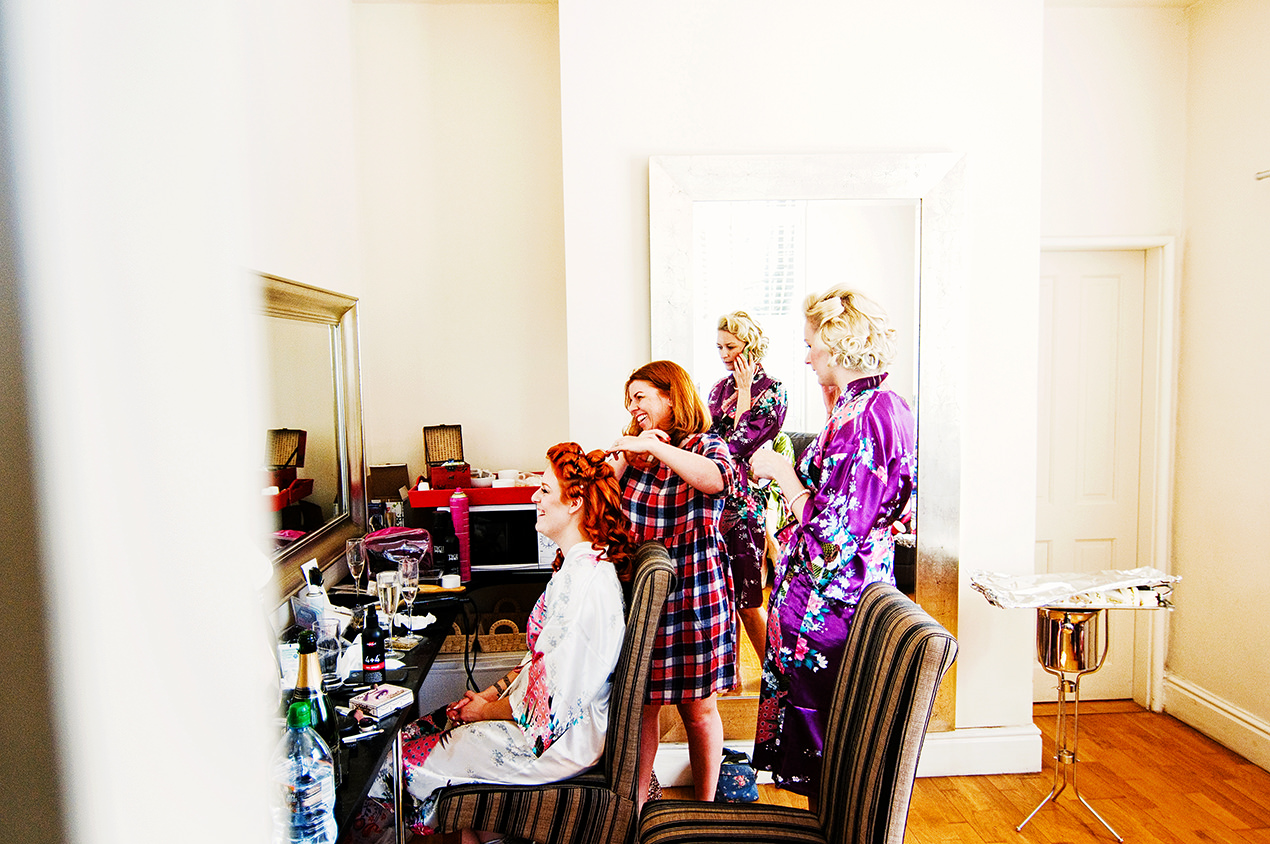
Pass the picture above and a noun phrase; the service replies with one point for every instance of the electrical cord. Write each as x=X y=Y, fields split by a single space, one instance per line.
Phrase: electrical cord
x=470 y=641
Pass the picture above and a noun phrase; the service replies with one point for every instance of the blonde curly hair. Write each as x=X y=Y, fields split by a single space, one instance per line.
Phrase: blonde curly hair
x=856 y=329
x=743 y=327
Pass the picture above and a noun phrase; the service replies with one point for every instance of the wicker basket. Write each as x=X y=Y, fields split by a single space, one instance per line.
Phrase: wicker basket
x=505 y=632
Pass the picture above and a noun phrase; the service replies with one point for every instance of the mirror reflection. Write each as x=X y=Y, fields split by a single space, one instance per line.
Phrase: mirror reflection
x=313 y=410
x=765 y=256
x=303 y=466
x=918 y=269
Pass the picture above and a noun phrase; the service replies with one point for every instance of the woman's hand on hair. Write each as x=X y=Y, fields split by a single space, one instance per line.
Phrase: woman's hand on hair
x=645 y=443
x=616 y=459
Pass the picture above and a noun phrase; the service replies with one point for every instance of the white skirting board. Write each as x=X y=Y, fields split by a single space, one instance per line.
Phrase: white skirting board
x=1222 y=721
x=985 y=750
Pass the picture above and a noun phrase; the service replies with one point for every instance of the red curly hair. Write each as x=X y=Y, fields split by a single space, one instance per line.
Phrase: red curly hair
x=588 y=478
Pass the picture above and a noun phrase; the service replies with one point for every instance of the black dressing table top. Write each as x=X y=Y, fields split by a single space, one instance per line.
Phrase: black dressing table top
x=366 y=757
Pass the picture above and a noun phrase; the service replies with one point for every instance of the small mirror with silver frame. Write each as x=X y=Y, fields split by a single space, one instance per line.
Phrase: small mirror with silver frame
x=311 y=344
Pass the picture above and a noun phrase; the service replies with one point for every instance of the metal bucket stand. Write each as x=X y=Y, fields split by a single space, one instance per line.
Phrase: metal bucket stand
x=1067 y=645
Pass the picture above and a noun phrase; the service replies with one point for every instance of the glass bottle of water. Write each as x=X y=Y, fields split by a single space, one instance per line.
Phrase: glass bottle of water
x=305 y=774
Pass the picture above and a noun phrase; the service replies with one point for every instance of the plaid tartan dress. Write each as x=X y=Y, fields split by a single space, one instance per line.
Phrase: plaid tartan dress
x=694 y=654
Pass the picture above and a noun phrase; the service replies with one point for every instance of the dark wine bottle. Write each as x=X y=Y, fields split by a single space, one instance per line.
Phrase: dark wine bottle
x=308 y=688
x=372 y=649
x=445 y=543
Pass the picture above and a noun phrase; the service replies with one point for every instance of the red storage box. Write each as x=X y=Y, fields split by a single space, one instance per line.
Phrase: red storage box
x=476 y=496
x=443 y=451
x=450 y=475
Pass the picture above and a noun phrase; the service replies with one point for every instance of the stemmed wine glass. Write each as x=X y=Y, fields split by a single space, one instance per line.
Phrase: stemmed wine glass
x=388 y=586
x=356 y=554
x=408 y=577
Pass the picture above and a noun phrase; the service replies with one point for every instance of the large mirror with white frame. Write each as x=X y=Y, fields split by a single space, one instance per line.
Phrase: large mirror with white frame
x=311 y=348
x=759 y=232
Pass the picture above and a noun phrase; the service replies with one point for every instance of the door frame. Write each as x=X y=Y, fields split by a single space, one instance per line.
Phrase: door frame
x=1160 y=326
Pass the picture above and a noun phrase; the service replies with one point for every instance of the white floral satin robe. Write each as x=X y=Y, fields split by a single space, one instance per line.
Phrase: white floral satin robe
x=560 y=698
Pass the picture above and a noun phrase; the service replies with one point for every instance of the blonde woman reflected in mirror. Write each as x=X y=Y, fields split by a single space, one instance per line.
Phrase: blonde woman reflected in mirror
x=747 y=408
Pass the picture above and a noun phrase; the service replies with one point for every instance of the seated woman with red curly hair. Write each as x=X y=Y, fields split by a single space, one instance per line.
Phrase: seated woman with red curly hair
x=548 y=723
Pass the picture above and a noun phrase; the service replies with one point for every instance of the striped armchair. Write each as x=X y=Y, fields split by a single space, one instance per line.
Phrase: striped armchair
x=597 y=806
x=896 y=656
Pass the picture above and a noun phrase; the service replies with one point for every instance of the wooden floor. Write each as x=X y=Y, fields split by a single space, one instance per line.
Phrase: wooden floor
x=1150 y=776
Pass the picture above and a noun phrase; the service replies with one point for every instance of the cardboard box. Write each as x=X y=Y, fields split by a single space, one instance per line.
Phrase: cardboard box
x=385 y=482
x=381 y=700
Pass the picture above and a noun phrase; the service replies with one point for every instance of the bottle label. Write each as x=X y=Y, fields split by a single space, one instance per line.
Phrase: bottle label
x=314 y=794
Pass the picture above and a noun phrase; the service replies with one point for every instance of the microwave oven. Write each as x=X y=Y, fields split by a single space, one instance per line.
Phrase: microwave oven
x=503 y=539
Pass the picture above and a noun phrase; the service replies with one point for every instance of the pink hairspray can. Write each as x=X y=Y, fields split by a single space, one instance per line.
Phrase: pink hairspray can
x=458 y=515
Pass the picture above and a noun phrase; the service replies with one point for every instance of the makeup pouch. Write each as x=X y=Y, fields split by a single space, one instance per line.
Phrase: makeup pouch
x=738 y=781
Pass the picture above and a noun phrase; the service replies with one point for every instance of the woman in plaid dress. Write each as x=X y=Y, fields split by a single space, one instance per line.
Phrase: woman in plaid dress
x=852 y=483
x=674 y=475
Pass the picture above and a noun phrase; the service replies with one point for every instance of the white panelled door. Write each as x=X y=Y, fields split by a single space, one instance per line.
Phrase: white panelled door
x=1088 y=435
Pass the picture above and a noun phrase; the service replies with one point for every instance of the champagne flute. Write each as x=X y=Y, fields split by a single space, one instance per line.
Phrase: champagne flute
x=388 y=586
x=408 y=576
x=356 y=554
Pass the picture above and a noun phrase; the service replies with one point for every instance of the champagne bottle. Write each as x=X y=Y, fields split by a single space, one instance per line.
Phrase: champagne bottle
x=372 y=649
x=309 y=689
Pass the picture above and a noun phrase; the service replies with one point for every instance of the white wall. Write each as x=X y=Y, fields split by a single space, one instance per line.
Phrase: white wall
x=1217 y=656
x=462 y=318
x=148 y=183
x=301 y=170
x=1114 y=143
x=664 y=77
x=1152 y=127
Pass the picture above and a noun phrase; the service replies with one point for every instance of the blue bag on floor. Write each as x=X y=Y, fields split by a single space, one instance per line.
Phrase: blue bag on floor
x=738 y=781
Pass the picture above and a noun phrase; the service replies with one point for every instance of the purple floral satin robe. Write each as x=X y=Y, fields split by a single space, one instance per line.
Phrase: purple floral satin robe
x=744 y=520
x=861 y=472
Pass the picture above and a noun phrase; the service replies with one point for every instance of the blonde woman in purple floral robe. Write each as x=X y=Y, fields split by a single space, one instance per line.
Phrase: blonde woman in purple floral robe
x=852 y=483
x=747 y=409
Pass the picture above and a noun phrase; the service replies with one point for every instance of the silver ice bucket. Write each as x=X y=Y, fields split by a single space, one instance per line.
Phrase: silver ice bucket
x=1069 y=641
